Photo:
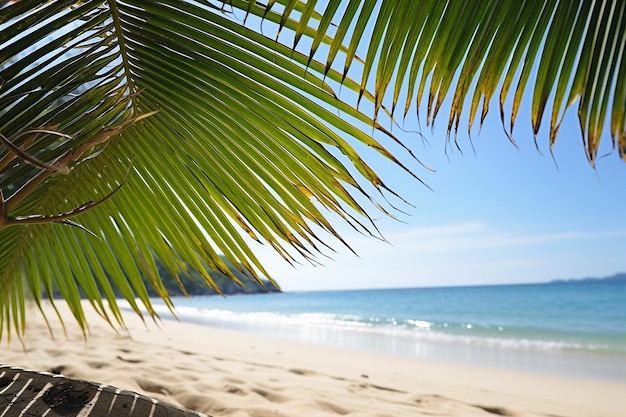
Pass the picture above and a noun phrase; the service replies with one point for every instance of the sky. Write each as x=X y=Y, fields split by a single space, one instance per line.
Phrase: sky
x=496 y=214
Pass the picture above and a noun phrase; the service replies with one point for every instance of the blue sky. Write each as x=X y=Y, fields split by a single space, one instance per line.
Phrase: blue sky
x=502 y=215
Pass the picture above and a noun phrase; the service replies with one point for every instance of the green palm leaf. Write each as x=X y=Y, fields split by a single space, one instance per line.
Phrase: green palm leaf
x=573 y=52
x=185 y=133
x=231 y=147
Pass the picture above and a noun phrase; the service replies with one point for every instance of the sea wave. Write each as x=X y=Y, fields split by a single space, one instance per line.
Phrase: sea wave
x=304 y=325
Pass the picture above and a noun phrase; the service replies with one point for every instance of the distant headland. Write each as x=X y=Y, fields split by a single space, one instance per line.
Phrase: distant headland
x=613 y=278
x=194 y=284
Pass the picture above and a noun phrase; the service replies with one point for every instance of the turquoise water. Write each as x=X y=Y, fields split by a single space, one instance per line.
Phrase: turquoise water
x=574 y=329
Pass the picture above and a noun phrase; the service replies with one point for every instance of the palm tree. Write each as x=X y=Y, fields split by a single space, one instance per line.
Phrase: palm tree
x=135 y=130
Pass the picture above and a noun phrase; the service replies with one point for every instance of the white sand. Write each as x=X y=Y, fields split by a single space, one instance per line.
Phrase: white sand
x=224 y=373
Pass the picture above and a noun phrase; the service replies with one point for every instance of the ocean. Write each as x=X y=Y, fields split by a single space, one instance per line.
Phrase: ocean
x=567 y=329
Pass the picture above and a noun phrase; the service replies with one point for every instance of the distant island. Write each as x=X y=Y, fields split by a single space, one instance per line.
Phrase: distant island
x=195 y=286
x=613 y=278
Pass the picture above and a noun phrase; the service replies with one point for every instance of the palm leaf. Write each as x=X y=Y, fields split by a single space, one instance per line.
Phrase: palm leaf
x=243 y=141
x=558 y=52
x=240 y=141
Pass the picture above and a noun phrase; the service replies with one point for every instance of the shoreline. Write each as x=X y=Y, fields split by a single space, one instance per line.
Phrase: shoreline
x=569 y=364
x=495 y=354
x=229 y=373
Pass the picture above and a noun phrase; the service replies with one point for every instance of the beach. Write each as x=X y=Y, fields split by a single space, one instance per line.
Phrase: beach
x=229 y=373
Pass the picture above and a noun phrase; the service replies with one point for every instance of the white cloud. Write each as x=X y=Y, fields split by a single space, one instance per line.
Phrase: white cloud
x=475 y=236
x=454 y=254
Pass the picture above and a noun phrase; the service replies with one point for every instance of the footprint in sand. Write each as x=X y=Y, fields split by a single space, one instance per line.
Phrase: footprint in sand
x=153 y=387
x=381 y=388
x=499 y=411
x=364 y=386
x=202 y=403
x=233 y=389
x=129 y=360
x=303 y=372
x=333 y=408
x=270 y=396
x=55 y=353
x=97 y=365
x=260 y=412
x=233 y=380
x=427 y=399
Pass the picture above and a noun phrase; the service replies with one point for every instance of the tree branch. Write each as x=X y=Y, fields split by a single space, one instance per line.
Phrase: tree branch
x=60 y=218
x=31 y=159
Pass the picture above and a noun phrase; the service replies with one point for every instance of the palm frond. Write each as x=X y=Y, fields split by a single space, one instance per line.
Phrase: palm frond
x=240 y=141
x=559 y=53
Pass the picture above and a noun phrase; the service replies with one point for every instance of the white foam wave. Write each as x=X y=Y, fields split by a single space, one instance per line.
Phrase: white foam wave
x=406 y=329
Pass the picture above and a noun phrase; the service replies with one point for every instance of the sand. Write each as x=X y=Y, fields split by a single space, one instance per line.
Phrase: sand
x=224 y=373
